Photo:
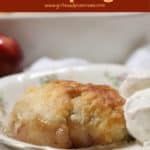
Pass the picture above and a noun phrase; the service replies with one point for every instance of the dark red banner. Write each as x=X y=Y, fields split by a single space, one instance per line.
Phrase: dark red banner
x=75 y=5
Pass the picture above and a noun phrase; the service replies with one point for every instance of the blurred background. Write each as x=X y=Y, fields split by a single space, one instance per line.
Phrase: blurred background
x=97 y=37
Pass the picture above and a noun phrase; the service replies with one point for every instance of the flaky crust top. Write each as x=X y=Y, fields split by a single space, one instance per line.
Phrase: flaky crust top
x=68 y=114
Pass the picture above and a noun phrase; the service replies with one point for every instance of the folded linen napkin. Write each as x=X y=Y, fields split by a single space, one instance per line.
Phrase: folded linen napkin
x=140 y=59
x=46 y=63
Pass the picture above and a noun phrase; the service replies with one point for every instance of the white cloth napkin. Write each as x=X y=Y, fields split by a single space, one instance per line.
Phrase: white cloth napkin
x=46 y=63
x=140 y=59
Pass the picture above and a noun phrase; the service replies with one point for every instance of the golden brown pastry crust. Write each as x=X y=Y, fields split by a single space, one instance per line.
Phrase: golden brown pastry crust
x=68 y=114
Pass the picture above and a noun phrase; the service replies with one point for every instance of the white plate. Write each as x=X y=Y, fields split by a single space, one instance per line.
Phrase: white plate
x=11 y=88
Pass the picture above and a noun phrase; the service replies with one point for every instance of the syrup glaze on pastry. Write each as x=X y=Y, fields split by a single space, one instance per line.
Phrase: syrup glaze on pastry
x=68 y=114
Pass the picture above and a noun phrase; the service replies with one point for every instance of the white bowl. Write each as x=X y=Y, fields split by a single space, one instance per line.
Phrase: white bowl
x=11 y=88
x=97 y=37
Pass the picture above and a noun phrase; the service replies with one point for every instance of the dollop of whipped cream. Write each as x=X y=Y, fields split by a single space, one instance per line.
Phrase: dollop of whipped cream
x=136 y=90
x=137 y=115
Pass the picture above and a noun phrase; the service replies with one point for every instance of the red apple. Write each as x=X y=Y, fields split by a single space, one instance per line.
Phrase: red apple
x=10 y=56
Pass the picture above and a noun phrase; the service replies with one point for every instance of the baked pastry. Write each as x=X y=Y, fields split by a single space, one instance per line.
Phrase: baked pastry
x=68 y=114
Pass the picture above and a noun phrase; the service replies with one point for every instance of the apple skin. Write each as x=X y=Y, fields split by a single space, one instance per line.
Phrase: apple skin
x=11 y=56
